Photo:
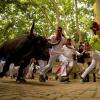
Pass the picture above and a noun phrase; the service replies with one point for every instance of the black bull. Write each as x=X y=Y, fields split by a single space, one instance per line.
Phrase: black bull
x=22 y=49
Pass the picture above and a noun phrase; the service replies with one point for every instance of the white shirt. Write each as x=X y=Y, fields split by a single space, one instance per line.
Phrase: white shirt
x=57 y=48
x=68 y=52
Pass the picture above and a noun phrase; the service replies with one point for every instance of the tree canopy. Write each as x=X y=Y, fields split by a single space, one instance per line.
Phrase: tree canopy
x=74 y=16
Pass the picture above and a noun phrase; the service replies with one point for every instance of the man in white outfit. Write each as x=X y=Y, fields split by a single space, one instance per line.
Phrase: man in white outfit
x=13 y=70
x=2 y=62
x=67 y=59
x=54 y=53
x=95 y=43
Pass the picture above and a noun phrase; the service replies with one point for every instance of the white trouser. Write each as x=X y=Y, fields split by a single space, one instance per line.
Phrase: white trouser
x=41 y=66
x=2 y=63
x=51 y=61
x=16 y=68
x=66 y=63
x=30 y=71
x=11 y=70
x=96 y=57
x=1 y=67
x=63 y=71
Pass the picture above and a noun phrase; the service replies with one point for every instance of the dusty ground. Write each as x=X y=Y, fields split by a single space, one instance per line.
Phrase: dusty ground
x=51 y=90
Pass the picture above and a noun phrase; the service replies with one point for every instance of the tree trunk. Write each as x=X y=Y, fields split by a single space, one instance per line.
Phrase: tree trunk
x=58 y=21
x=77 y=23
x=97 y=11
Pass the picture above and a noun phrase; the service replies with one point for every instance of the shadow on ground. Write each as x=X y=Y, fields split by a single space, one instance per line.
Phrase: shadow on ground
x=35 y=83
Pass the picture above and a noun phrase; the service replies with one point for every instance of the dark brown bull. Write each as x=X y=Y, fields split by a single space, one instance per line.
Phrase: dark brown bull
x=22 y=49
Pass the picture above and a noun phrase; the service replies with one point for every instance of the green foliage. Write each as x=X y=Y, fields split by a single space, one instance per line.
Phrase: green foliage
x=16 y=17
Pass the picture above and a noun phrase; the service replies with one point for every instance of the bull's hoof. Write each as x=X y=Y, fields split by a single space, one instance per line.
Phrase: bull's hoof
x=42 y=78
x=20 y=81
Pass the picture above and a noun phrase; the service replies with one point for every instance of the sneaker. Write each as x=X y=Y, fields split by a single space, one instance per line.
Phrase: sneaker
x=21 y=81
x=42 y=78
x=64 y=79
x=82 y=81
x=56 y=77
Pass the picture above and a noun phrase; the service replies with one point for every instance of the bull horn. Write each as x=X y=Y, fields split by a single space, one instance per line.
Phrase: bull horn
x=31 y=31
x=56 y=43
